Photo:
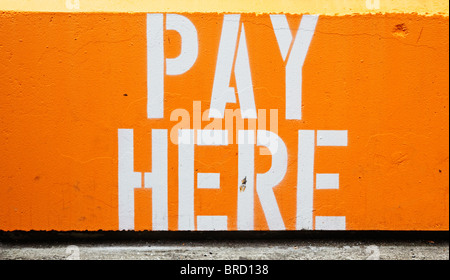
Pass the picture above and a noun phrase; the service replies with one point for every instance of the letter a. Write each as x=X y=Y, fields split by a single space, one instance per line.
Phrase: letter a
x=222 y=93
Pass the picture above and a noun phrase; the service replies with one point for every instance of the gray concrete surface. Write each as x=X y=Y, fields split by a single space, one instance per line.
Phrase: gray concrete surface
x=292 y=249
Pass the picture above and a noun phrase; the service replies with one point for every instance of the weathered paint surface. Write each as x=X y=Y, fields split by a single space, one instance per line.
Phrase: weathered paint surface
x=105 y=122
x=323 y=7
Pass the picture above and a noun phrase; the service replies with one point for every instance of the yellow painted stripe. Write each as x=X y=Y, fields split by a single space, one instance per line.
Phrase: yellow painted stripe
x=325 y=7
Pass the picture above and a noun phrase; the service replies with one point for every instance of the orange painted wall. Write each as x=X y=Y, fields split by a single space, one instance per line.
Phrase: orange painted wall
x=68 y=82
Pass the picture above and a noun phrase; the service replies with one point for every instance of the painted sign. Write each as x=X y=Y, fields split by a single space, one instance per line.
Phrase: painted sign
x=168 y=121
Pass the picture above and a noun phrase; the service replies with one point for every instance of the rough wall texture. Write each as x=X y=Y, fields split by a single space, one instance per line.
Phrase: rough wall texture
x=105 y=124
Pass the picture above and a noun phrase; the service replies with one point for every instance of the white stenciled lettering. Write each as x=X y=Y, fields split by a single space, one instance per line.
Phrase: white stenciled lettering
x=222 y=93
x=267 y=181
x=294 y=51
x=189 y=137
x=130 y=180
x=305 y=178
x=186 y=155
x=155 y=57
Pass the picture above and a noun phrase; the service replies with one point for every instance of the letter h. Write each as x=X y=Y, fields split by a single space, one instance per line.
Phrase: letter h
x=156 y=180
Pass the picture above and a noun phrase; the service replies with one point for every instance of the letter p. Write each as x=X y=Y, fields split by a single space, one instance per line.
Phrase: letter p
x=158 y=65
